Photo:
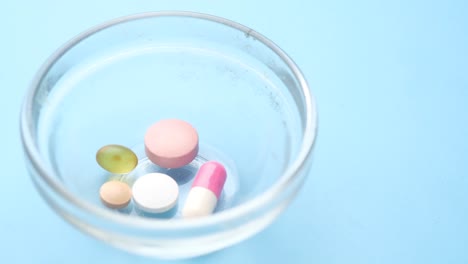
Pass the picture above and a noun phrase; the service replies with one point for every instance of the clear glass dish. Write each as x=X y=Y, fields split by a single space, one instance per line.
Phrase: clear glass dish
x=248 y=100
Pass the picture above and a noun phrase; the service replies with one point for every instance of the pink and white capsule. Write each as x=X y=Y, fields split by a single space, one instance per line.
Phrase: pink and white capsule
x=205 y=191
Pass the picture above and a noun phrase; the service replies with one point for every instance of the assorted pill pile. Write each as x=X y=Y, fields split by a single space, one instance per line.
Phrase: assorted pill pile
x=169 y=143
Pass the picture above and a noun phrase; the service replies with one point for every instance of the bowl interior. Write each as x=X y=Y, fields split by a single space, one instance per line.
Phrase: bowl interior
x=111 y=86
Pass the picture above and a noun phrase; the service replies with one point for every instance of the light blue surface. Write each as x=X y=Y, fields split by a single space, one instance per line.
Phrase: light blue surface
x=389 y=182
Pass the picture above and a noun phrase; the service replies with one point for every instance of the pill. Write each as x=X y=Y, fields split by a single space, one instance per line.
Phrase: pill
x=116 y=159
x=155 y=193
x=115 y=194
x=171 y=143
x=206 y=189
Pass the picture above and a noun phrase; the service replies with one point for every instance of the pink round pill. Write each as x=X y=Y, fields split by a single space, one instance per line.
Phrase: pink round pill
x=171 y=143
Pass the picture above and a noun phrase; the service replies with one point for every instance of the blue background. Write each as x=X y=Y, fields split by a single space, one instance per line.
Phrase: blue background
x=390 y=175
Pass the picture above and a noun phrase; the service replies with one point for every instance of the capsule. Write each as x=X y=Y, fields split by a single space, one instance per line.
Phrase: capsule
x=205 y=191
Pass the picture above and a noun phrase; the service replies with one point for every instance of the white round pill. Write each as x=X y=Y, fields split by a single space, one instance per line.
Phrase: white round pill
x=155 y=192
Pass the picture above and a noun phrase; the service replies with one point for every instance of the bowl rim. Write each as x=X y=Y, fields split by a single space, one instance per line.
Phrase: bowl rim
x=257 y=202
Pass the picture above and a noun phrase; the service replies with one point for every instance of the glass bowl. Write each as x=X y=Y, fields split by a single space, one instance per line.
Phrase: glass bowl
x=248 y=100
